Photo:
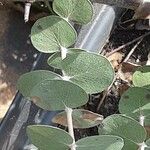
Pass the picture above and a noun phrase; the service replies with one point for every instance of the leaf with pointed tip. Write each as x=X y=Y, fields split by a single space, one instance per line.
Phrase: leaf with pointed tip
x=134 y=102
x=57 y=94
x=81 y=118
x=100 y=142
x=28 y=80
x=55 y=59
x=88 y=70
x=124 y=127
x=80 y=11
x=141 y=77
x=48 y=137
x=50 y=33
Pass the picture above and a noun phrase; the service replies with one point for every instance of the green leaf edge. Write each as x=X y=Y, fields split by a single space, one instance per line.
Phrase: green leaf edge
x=92 y=11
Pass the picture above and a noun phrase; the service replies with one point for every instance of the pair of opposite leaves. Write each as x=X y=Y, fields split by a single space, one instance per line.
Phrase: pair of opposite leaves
x=136 y=100
x=54 y=33
x=117 y=132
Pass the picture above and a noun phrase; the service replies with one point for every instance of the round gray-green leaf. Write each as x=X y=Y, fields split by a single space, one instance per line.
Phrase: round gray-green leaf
x=50 y=33
x=81 y=118
x=48 y=137
x=127 y=128
x=141 y=77
x=80 y=11
x=134 y=102
x=57 y=94
x=90 y=71
x=128 y=144
x=101 y=142
x=55 y=59
x=148 y=144
x=28 y=80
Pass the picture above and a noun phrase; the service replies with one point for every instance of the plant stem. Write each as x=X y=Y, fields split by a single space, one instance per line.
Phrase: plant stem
x=27 y=11
x=148 y=60
x=141 y=121
x=70 y=126
x=132 y=50
x=63 y=52
x=142 y=146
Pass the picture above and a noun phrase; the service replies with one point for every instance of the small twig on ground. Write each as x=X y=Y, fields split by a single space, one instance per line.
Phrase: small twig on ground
x=105 y=93
x=127 y=21
x=127 y=44
x=102 y=100
x=132 y=50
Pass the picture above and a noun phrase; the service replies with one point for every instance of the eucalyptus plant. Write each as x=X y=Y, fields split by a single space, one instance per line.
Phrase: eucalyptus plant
x=83 y=73
x=135 y=108
x=135 y=102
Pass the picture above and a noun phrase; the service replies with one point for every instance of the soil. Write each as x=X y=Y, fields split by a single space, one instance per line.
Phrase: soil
x=16 y=54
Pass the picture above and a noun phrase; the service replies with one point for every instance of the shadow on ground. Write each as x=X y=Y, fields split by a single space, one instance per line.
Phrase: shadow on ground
x=16 y=54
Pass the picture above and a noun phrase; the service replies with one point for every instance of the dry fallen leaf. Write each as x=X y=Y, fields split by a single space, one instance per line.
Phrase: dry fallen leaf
x=115 y=59
x=3 y=108
x=35 y=99
x=126 y=71
x=81 y=118
x=148 y=130
x=3 y=86
x=122 y=88
x=143 y=11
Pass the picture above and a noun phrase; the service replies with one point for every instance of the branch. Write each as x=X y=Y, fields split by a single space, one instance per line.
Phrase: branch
x=127 y=44
x=132 y=50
